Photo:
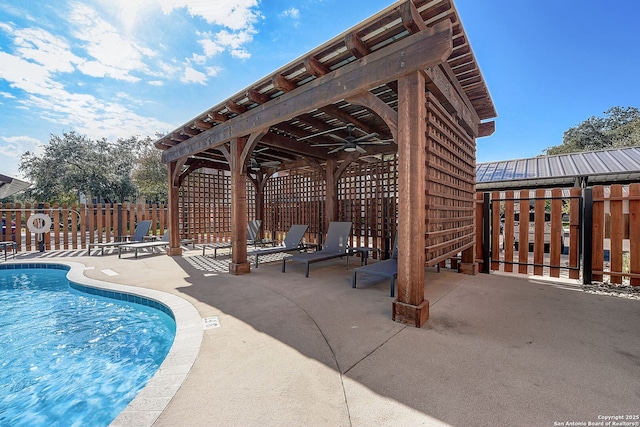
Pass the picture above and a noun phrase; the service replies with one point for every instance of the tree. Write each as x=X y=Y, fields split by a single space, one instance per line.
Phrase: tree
x=74 y=164
x=619 y=128
x=150 y=175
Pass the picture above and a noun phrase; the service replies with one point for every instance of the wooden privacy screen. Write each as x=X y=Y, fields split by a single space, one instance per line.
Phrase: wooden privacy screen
x=294 y=198
x=204 y=204
x=367 y=196
x=450 y=175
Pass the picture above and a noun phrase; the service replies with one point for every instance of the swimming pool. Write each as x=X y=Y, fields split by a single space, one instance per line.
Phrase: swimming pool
x=73 y=354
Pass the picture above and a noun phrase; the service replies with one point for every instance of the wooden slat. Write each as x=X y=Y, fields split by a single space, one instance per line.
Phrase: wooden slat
x=495 y=230
x=574 y=232
x=556 y=232
x=597 y=245
x=523 y=232
x=617 y=233
x=507 y=235
x=538 y=239
x=634 y=233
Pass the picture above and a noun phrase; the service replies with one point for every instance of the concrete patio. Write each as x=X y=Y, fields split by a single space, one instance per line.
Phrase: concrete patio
x=497 y=349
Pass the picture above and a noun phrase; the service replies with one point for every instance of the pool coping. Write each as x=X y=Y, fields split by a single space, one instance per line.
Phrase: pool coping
x=149 y=403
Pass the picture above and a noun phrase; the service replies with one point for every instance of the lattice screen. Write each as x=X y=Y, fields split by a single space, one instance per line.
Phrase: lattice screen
x=450 y=174
x=367 y=196
x=295 y=198
x=205 y=206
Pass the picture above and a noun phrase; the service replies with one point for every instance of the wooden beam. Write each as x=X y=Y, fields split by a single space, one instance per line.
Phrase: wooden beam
x=440 y=86
x=217 y=117
x=257 y=97
x=188 y=131
x=199 y=124
x=177 y=170
x=289 y=145
x=239 y=264
x=356 y=46
x=315 y=67
x=235 y=107
x=411 y=18
x=281 y=83
x=486 y=129
x=254 y=138
x=174 y=221
x=411 y=307
x=416 y=52
x=345 y=117
x=375 y=104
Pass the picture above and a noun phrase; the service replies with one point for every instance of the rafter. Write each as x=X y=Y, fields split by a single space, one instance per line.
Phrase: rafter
x=415 y=52
x=199 y=124
x=281 y=83
x=217 y=117
x=257 y=97
x=356 y=46
x=315 y=67
x=235 y=107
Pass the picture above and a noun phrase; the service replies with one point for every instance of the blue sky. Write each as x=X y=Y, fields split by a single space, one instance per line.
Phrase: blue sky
x=113 y=68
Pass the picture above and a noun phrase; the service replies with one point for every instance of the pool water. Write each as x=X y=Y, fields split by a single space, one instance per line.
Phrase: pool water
x=69 y=358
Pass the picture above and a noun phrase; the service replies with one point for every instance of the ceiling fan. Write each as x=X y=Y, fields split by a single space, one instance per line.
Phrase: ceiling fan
x=254 y=165
x=350 y=143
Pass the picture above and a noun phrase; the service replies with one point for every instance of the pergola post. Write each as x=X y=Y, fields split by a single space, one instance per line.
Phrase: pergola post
x=331 y=206
x=410 y=306
x=174 y=221
x=239 y=264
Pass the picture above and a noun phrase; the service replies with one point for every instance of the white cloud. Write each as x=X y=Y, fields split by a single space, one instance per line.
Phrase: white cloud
x=46 y=49
x=113 y=56
x=291 y=13
x=210 y=47
x=16 y=146
x=27 y=76
x=233 y=14
x=240 y=53
x=225 y=40
x=192 y=75
x=7 y=95
x=213 y=71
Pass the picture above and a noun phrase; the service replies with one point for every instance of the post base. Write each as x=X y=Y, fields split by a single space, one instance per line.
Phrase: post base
x=470 y=268
x=174 y=251
x=411 y=314
x=240 y=268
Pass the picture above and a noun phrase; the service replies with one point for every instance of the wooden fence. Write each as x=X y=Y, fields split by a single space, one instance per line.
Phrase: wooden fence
x=73 y=226
x=592 y=233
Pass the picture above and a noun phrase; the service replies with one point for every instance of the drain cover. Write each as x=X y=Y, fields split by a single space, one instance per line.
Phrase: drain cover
x=210 y=322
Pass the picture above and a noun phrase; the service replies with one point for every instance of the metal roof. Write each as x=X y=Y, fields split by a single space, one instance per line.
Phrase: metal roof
x=618 y=166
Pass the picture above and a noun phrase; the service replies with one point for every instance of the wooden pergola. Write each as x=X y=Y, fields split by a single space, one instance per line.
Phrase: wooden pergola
x=406 y=75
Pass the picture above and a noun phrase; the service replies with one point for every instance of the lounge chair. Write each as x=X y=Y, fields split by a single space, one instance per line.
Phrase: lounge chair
x=252 y=239
x=138 y=236
x=336 y=246
x=144 y=245
x=9 y=244
x=291 y=243
x=387 y=268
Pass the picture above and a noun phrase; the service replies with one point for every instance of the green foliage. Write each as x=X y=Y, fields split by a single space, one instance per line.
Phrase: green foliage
x=150 y=175
x=619 y=128
x=74 y=164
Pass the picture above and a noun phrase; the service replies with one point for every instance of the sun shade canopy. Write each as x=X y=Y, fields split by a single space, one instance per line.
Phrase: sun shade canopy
x=315 y=100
